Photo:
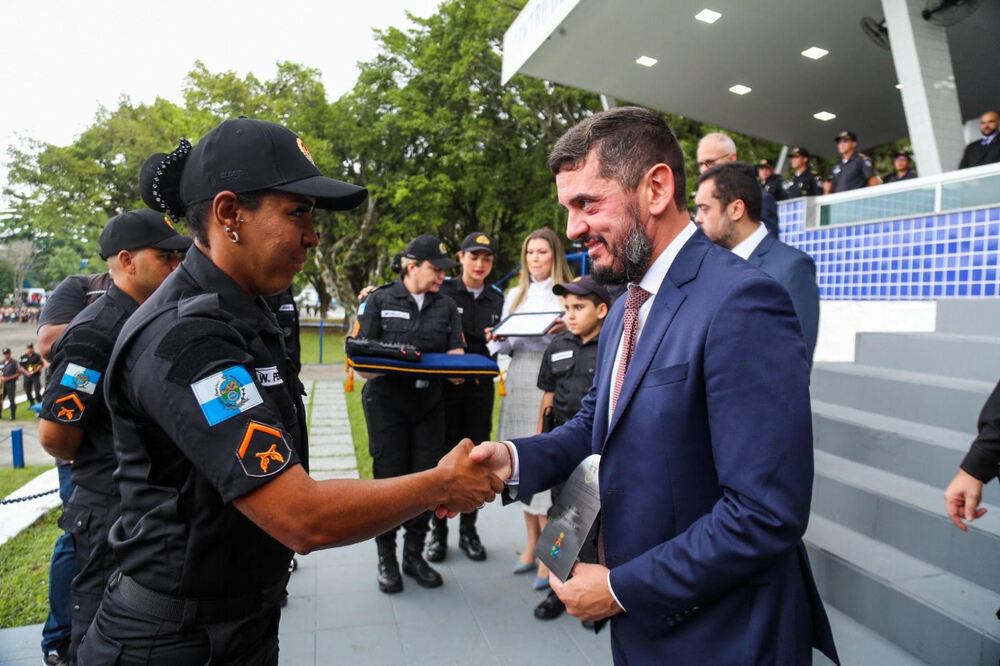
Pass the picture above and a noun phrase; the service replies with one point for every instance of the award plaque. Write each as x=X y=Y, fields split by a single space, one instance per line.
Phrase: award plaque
x=570 y=519
x=526 y=324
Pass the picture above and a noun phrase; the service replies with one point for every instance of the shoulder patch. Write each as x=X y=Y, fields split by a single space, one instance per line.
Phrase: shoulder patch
x=263 y=451
x=185 y=347
x=198 y=304
x=226 y=394
x=361 y=308
x=80 y=378
x=68 y=409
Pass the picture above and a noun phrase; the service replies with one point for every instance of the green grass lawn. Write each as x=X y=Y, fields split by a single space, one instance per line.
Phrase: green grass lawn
x=333 y=344
x=24 y=414
x=24 y=560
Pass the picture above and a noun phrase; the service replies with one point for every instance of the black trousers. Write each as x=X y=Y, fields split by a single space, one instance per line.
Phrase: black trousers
x=125 y=635
x=468 y=409
x=406 y=433
x=33 y=388
x=10 y=393
x=88 y=518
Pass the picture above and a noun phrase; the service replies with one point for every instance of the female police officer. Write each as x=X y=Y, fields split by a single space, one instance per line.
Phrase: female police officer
x=205 y=418
x=405 y=415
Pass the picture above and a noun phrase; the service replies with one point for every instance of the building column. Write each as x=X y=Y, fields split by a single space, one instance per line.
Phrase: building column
x=930 y=100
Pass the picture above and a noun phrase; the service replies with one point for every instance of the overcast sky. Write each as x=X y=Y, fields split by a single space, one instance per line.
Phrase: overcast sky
x=62 y=59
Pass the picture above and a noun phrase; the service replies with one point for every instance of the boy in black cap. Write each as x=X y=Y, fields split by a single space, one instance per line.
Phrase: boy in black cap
x=566 y=374
x=141 y=248
x=9 y=372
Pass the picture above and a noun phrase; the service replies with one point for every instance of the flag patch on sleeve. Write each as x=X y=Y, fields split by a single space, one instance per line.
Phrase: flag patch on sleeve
x=80 y=378
x=225 y=394
x=263 y=451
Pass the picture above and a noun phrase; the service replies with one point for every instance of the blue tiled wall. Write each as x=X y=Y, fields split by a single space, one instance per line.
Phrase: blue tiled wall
x=912 y=258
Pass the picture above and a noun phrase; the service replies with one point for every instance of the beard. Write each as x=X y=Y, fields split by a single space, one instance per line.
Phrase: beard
x=631 y=257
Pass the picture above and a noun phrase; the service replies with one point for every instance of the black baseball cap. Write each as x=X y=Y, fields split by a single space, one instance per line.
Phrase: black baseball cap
x=429 y=248
x=846 y=134
x=798 y=151
x=477 y=240
x=902 y=153
x=137 y=229
x=5 y=350
x=244 y=155
x=581 y=287
x=765 y=163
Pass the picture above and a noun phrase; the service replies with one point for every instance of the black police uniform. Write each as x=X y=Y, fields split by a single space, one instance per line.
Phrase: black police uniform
x=287 y=314
x=469 y=406
x=773 y=185
x=32 y=380
x=405 y=416
x=852 y=174
x=79 y=364
x=567 y=372
x=805 y=184
x=205 y=410
x=8 y=369
x=895 y=177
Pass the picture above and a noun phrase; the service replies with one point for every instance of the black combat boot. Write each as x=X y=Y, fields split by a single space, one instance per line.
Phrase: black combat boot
x=468 y=540
x=437 y=547
x=389 y=580
x=414 y=564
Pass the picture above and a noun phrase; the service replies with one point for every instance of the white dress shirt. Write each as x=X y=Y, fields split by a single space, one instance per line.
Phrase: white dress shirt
x=745 y=247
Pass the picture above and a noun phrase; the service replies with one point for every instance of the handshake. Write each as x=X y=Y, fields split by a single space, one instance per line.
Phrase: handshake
x=469 y=476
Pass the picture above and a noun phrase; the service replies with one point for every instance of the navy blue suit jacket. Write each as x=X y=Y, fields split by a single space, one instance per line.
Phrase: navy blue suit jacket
x=796 y=271
x=706 y=471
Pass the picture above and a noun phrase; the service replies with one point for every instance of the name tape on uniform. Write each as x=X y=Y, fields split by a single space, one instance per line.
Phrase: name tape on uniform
x=80 y=378
x=226 y=394
x=286 y=307
x=269 y=376
x=559 y=356
x=395 y=314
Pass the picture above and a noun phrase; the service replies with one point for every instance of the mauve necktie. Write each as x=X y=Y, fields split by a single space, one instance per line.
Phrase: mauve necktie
x=636 y=297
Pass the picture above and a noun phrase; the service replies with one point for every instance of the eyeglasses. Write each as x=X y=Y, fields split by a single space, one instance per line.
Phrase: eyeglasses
x=712 y=162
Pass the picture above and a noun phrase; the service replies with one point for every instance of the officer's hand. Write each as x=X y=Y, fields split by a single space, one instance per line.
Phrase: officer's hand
x=363 y=294
x=961 y=499
x=466 y=483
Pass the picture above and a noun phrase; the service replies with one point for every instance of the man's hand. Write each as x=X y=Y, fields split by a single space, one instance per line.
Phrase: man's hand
x=496 y=456
x=466 y=483
x=363 y=294
x=586 y=594
x=961 y=499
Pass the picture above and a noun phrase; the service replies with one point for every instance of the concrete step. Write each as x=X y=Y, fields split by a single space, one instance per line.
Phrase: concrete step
x=857 y=645
x=924 y=453
x=945 y=402
x=907 y=515
x=976 y=316
x=934 y=615
x=947 y=354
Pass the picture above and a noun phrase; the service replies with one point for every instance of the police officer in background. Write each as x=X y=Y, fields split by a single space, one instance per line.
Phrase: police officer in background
x=405 y=416
x=804 y=182
x=469 y=406
x=141 y=250
x=902 y=167
x=31 y=368
x=205 y=408
x=770 y=182
x=854 y=170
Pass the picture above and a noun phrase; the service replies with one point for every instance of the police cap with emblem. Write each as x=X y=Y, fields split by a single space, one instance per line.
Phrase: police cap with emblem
x=137 y=229
x=765 y=164
x=798 y=151
x=241 y=155
x=477 y=240
x=428 y=248
x=846 y=134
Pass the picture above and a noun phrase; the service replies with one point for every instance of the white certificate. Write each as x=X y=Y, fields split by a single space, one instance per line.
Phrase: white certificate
x=526 y=324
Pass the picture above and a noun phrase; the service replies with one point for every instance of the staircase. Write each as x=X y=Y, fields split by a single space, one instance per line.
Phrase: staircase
x=890 y=431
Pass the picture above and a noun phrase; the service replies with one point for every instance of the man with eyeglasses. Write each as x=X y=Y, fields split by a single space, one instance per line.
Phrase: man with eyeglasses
x=854 y=170
x=141 y=248
x=716 y=148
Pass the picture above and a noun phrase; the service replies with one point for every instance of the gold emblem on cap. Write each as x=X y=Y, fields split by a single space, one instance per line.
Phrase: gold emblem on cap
x=443 y=248
x=167 y=220
x=482 y=239
x=305 y=151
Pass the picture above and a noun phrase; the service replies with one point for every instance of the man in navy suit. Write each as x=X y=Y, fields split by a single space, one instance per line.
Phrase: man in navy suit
x=700 y=411
x=727 y=208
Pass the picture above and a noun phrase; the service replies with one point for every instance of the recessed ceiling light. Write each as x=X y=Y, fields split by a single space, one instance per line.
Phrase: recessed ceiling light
x=646 y=61
x=899 y=86
x=814 y=52
x=708 y=16
x=740 y=89
x=824 y=116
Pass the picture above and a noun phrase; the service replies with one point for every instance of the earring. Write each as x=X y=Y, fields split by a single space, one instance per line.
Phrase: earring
x=233 y=236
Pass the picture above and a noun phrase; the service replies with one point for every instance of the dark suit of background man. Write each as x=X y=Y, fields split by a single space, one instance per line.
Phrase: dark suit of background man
x=987 y=149
x=728 y=209
x=706 y=454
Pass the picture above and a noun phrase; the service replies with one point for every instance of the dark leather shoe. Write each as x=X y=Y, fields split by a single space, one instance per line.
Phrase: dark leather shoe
x=416 y=567
x=550 y=608
x=588 y=624
x=469 y=542
x=437 y=547
x=389 y=580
